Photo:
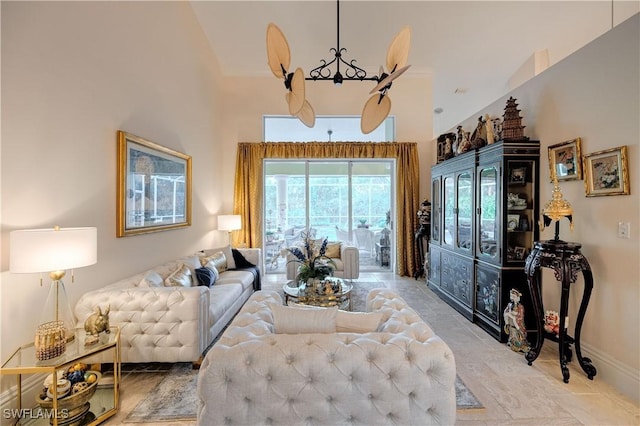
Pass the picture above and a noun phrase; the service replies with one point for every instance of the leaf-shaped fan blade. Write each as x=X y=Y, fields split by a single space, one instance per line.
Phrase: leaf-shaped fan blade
x=307 y=115
x=398 y=52
x=374 y=112
x=388 y=79
x=296 y=100
x=278 y=54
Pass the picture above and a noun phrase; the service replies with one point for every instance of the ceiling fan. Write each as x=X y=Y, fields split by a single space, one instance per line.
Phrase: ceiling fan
x=376 y=109
x=279 y=58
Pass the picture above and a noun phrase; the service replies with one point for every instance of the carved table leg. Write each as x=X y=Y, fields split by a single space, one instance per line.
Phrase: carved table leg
x=533 y=280
x=585 y=362
x=562 y=337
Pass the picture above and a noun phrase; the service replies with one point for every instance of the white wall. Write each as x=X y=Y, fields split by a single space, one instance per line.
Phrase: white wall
x=72 y=74
x=594 y=94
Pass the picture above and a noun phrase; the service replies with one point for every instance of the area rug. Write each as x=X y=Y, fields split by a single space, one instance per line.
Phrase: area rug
x=174 y=398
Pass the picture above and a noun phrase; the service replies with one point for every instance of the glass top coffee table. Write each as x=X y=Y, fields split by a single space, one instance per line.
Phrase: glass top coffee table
x=331 y=292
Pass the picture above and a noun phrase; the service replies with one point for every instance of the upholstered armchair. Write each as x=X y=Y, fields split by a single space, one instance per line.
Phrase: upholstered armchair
x=345 y=256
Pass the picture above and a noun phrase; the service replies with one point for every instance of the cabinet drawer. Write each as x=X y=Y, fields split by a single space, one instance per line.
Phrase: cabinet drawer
x=457 y=277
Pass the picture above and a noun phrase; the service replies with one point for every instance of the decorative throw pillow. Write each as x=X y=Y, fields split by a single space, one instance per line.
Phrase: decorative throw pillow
x=151 y=279
x=292 y=320
x=181 y=277
x=231 y=264
x=218 y=259
x=358 y=322
x=333 y=250
x=206 y=276
x=240 y=260
x=212 y=267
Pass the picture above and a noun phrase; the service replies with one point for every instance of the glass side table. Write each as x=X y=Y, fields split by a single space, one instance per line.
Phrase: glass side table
x=103 y=404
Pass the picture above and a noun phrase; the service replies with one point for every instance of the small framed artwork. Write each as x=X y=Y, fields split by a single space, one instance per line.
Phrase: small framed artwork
x=519 y=252
x=154 y=187
x=565 y=160
x=607 y=172
x=518 y=175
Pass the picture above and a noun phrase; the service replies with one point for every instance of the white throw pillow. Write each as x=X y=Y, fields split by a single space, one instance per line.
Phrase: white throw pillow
x=358 y=322
x=231 y=264
x=291 y=320
x=151 y=279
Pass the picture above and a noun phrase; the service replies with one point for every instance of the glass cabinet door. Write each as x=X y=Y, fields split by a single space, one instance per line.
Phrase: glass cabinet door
x=488 y=225
x=435 y=212
x=448 y=213
x=465 y=213
x=520 y=220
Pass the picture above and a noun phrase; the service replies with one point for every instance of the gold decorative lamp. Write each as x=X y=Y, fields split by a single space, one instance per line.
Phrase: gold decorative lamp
x=556 y=209
x=229 y=223
x=54 y=251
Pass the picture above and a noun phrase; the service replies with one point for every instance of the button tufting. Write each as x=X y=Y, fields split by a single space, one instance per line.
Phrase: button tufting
x=269 y=377
x=329 y=398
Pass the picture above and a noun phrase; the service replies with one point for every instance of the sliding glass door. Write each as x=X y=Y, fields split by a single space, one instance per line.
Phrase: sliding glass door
x=342 y=200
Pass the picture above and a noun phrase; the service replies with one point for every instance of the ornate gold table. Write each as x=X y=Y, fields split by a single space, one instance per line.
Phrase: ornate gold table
x=566 y=260
x=104 y=402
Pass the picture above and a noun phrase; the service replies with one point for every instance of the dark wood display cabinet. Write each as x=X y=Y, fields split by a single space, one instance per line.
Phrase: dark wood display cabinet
x=483 y=225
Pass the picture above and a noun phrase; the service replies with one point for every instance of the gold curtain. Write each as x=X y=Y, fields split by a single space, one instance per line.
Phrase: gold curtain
x=249 y=185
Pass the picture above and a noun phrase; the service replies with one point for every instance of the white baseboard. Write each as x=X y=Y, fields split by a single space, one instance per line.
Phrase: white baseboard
x=614 y=373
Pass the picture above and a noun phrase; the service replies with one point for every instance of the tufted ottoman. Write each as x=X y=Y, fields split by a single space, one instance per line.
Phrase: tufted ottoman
x=400 y=374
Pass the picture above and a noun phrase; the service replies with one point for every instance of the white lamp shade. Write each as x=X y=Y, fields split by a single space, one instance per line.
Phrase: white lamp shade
x=229 y=222
x=46 y=250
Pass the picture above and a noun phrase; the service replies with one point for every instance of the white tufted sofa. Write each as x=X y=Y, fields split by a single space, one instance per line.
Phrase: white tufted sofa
x=402 y=374
x=170 y=324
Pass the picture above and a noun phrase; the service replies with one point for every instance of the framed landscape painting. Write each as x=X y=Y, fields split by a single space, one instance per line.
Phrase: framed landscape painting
x=607 y=172
x=565 y=160
x=154 y=187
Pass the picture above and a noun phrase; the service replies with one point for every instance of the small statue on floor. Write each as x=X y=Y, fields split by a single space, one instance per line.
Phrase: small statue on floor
x=514 y=323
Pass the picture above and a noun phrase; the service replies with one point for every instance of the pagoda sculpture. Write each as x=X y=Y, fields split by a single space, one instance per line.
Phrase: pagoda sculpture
x=512 y=128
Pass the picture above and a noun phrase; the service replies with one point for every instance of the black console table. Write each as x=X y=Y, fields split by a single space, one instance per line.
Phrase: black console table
x=566 y=260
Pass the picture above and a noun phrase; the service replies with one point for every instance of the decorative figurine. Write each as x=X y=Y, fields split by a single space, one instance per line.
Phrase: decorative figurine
x=479 y=136
x=514 y=323
x=95 y=324
x=512 y=128
x=488 y=123
x=552 y=322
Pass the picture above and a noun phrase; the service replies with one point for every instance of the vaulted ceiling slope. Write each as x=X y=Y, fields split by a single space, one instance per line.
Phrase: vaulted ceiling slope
x=474 y=51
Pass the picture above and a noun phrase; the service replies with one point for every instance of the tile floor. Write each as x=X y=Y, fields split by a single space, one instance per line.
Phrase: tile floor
x=511 y=391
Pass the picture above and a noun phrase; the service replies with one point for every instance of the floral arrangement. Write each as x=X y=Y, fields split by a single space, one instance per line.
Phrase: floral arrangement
x=312 y=264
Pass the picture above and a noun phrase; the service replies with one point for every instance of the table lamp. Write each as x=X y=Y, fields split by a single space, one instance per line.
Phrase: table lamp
x=556 y=209
x=54 y=251
x=229 y=223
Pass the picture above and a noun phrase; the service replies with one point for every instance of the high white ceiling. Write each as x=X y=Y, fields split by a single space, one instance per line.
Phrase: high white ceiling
x=470 y=49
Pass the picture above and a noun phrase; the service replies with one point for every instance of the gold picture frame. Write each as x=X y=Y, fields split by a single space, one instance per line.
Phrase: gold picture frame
x=565 y=160
x=606 y=172
x=154 y=187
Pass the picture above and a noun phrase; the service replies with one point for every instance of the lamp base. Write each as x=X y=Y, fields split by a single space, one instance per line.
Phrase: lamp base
x=50 y=341
x=57 y=308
